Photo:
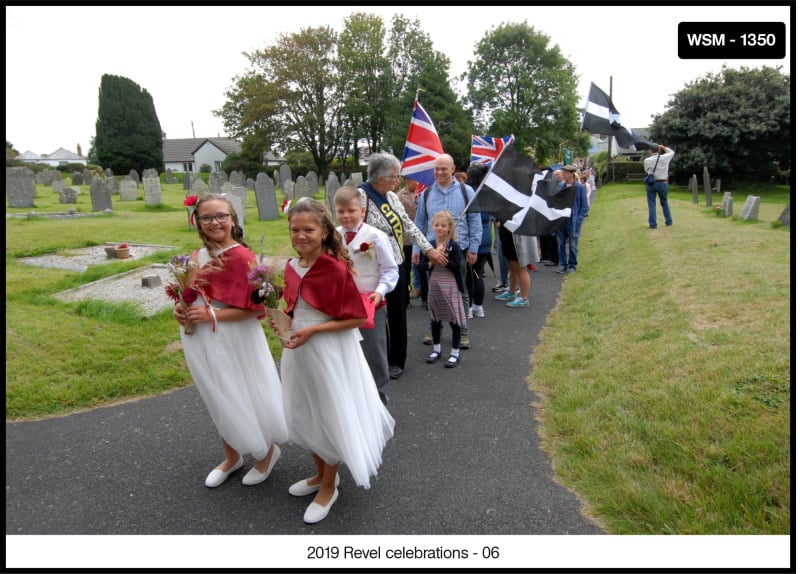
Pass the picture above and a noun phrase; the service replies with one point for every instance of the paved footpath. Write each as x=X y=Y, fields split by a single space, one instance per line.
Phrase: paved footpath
x=464 y=460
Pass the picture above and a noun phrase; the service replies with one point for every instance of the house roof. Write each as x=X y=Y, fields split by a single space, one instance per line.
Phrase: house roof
x=182 y=150
x=63 y=154
x=27 y=156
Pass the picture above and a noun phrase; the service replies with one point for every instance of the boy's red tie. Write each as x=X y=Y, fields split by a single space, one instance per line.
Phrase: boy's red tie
x=348 y=236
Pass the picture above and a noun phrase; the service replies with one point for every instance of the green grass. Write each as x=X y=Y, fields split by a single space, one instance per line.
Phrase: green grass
x=663 y=372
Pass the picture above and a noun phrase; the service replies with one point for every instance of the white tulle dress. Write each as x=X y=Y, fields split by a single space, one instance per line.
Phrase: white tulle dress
x=332 y=405
x=238 y=381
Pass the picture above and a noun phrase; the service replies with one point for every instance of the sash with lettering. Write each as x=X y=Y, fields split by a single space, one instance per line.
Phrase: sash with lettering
x=385 y=209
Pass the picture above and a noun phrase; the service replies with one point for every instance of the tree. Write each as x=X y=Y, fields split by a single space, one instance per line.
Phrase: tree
x=518 y=84
x=738 y=123
x=128 y=133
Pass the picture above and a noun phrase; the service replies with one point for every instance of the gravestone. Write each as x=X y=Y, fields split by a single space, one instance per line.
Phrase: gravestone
x=313 y=182
x=48 y=175
x=266 y=199
x=693 y=187
x=236 y=179
x=750 y=209
x=100 y=194
x=77 y=178
x=240 y=192
x=276 y=178
x=727 y=204
x=39 y=178
x=199 y=187
x=58 y=185
x=169 y=177
x=69 y=195
x=356 y=178
x=109 y=172
x=288 y=189
x=251 y=183
x=225 y=188
x=215 y=182
x=717 y=186
x=128 y=189
x=342 y=178
x=134 y=175
x=20 y=187
x=238 y=206
x=786 y=216
x=301 y=188
x=285 y=174
x=187 y=181
x=87 y=177
x=152 y=187
x=707 y=186
x=112 y=184
x=330 y=189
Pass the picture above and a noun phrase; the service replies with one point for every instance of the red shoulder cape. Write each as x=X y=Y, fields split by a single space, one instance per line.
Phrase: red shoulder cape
x=327 y=286
x=229 y=284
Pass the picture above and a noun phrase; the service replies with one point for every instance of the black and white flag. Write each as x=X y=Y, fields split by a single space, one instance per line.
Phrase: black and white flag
x=526 y=200
x=601 y=117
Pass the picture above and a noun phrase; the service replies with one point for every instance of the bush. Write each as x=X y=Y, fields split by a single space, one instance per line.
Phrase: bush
x=205 y=168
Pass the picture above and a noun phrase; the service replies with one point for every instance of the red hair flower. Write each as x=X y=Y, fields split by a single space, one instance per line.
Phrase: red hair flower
x=190 y=200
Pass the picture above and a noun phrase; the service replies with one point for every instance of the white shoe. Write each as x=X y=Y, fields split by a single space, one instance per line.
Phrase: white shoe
x=254 y=476
x=469 y=313
x=316 y=512
x=477 y=311
x=302 y=488
x=218 y=476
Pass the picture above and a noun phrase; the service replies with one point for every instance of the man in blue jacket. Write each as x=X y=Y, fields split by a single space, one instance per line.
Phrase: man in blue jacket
x=571 y=232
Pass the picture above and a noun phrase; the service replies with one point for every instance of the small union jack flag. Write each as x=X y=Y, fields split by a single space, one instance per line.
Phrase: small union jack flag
x=485 y=149
x=422 y=148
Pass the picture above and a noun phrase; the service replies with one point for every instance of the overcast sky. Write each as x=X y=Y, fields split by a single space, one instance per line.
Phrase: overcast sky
x=186 y=57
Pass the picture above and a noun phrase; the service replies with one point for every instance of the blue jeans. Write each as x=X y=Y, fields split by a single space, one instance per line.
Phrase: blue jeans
x=564 y=236
x=501 y=260
x=660 y=189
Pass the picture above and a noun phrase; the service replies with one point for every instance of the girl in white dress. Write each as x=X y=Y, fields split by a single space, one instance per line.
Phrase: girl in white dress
x=331 y=403
x=228 y=354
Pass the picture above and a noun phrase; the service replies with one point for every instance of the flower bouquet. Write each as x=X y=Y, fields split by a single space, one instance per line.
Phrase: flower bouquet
x=267 y=277
x=180 y=290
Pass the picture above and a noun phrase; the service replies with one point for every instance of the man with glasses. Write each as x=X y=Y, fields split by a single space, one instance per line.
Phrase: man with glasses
x=385 y=211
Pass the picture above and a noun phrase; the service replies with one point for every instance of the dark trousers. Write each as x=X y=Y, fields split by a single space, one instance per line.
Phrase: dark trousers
x=396 y=306
x=549 y=247
x=406 y=268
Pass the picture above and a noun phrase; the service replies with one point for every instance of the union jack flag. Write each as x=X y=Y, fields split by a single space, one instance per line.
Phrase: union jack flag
x=485 y=149
x=422 y=148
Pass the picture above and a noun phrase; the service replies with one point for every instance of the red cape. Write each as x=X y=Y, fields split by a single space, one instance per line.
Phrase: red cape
x=230 y=284
x=327 y=286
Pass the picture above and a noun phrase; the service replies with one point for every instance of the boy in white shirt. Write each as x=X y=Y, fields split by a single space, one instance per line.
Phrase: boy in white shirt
x=377 y=275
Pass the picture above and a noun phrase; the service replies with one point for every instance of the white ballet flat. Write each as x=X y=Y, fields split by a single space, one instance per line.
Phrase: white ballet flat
x=255 y=477
x=302 y=488
x=218 y=476
x=316 y=512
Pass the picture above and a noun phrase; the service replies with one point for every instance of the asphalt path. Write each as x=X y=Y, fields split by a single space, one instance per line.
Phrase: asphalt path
x=464 y=460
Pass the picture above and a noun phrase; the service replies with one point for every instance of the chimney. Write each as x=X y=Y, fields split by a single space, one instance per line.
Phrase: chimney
x=79 y=150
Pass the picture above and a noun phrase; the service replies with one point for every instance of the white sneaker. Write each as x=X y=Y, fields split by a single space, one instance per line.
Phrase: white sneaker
x=469 y=313
x=477 y=311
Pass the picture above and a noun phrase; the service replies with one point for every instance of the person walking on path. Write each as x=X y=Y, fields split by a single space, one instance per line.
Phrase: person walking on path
x=657 y=166
x=450 y=194
x=331 y=402
x=227 y=354
x=386 y=212
x=569 y=235
x=375 y=275
x=445 y=288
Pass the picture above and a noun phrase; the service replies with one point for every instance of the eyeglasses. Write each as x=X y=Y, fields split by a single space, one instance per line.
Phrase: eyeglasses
x=220 y=217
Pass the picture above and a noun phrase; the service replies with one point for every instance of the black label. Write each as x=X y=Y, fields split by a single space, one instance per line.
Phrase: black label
x=731 y=40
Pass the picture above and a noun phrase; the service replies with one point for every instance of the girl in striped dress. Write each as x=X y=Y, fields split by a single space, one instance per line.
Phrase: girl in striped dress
x=445 y=288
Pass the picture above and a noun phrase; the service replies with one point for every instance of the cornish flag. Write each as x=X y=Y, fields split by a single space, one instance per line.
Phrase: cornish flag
x=422 y=147
x=601 y=117
x=527 y=200
x=485 y=149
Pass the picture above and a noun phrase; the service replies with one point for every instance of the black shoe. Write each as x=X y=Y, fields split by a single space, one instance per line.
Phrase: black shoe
x=384 y=400
x=395 y=372
x=550 y=263
x=452 y=361
x=500 y=287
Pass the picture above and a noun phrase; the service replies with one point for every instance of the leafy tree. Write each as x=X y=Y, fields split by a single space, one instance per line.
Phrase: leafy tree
x=519 y=84
x=10 y=151
x=738 y=123
x=128 y=133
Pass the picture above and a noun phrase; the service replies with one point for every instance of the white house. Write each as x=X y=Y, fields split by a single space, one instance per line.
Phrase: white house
x=58 y=157
x=189 y=154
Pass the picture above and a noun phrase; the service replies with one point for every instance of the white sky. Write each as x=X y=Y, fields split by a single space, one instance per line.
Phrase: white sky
x=186 y=57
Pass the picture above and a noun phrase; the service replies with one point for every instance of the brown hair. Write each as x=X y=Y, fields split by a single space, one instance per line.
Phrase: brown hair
x=332 y=244
x=237 y=233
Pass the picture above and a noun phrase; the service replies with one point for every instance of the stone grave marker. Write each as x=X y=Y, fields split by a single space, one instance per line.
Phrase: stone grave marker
x=59 y=185
x=69 y=195
x=313 y=182
x=77 y=178
x=152 y=187
x=693 y=187
x=128 y=189
x=238 y=206
x=187 y=181
x=330 y=189
x=199 y=187
x=134 y=175
x=215 y=182
x=707 y=186
x=87 y=177
x=250 y=183
x=20 y=186
x=285 y=174
x=240 y=192
x=266 y=199
x=750 y=209
x=786 y=215
x=276 y=178
x=301 y=188
x=288 y=189
x=236 y=178
x=727 y=204
x=342 y=178
x=169 y=177
x=100 y=194
x=225 y=188
x=112 y=184
x=356 y=178
x=109 y=172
